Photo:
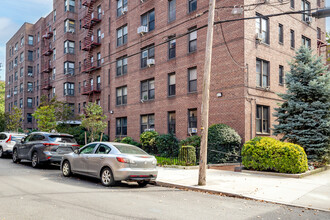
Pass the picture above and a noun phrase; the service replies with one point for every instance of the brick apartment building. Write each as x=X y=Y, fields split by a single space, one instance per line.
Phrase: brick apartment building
x=142 y=61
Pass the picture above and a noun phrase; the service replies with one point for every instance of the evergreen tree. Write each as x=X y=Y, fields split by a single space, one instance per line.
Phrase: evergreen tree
x=304 y=115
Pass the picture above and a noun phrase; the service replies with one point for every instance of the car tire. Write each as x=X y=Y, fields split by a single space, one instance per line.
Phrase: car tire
x=143 y=183
x=1 y=152
x=107 y=177
x=66 y=169
x=35 y=160
x=15 y=156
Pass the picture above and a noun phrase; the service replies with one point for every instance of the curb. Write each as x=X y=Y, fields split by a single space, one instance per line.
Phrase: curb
x=233 y=195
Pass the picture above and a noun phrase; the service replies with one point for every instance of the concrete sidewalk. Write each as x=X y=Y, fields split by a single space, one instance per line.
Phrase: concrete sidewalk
x=310 y=192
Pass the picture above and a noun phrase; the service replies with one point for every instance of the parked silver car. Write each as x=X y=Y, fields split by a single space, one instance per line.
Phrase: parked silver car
x=111 y=163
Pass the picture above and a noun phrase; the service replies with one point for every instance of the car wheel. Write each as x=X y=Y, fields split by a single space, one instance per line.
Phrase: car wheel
x=107 y=177
x=35 y=160
x=15 y=157
x=1 y=152
x=143 y=183
x=66 y=169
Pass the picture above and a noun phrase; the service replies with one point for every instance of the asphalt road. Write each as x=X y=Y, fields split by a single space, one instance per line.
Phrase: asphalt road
x=27 y=193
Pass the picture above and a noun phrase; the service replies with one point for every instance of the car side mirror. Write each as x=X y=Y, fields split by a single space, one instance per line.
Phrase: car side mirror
x=76 y=151
x=22 y=141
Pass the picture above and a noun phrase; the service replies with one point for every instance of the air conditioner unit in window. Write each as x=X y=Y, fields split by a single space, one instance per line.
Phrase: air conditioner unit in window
x=150 y=62
x=308 y=20
x=259 y=37
x=192 y=130
x=142 y=30
x=30 y=90
x=30 y=74
x=124 y=10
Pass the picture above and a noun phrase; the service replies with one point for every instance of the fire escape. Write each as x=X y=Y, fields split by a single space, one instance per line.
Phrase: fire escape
x=47 y=52
x=89 y=44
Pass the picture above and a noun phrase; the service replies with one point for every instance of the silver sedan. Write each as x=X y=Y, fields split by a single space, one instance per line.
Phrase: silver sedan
x=111 y=162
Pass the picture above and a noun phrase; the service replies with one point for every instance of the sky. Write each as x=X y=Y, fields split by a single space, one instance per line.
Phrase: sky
x=14 y=13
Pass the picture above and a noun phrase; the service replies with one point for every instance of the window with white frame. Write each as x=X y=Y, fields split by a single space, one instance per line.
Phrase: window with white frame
x=69 y=68
x=262 y=69
x=68 y=89
x=148 y=90
x=69 y=5
x=69 y=26
x=121 y=68
x=122 y=35
x=121 y=7
x=192 y=79
x=262 y=119
x=147 y=122
x=305 y=6
x=147 y=53
x=69 y=47
x=262 y=28
x=121 y=95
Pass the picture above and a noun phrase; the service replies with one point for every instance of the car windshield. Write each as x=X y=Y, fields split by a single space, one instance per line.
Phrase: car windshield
x=16 y=138
x=62 y=139
x=129 y=149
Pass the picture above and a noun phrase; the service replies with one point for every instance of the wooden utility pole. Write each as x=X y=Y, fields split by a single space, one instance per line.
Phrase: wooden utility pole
x=206 y=95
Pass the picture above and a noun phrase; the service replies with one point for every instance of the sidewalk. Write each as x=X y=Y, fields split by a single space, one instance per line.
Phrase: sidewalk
x=310 y=192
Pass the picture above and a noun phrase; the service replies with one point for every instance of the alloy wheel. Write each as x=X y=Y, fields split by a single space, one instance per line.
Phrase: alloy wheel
x=106 y=177
x=35 y=160
x=66 y=170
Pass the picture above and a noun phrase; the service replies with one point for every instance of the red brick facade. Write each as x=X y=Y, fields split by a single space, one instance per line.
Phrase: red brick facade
x=234 y=91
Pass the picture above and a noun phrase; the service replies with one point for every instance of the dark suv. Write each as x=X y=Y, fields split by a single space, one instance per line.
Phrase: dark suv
x=41 y=148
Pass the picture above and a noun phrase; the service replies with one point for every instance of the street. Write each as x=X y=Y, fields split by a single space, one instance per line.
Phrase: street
x=27 y=193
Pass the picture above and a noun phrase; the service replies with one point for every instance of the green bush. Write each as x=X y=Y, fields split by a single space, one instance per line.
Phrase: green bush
x=268 y=154
x=188 y=155
x=193 y=141
x=223 y=144
x=147 y=140
x=167 y=145
x=129 y=140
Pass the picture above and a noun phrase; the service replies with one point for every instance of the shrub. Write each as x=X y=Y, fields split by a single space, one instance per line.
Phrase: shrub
x=223 y=144
x=193 y=141
x=167 y=145
x=147 y=140
x=129 y=140
x=268 y=154
x=188 y=155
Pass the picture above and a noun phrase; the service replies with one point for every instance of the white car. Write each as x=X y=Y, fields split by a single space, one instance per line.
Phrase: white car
x=8 y=141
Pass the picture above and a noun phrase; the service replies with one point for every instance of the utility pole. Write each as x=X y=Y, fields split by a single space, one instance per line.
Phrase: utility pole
x=206 y=95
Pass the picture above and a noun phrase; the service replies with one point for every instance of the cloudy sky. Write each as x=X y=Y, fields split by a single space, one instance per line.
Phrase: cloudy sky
x=13 y=14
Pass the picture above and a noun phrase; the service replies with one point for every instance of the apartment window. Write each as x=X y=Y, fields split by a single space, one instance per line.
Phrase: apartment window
x=192 y=40
x=79 y=108
x=292 y=39
x=122 y=36
x=192 y=118
x=99 y=12
x=121 y=66
x=29 y=102
x=121 y=7
x=69 y=68
x=54 y=92
x=262 y=27
x=305 y=5
x=21 y=103
x=54 y=54
x=148 y=90
x=148 y=19
x=22 y=41
x=69 y=26
x=292 y=3
x=16 y=45
x=21 y=57
x=54 y=34
x=171 y=84
x=69 y=89
x=147 y=122
x=319 y=33
x=280 y=34
x=69 y=5
x=38 y=67
x=54 y=15
x=16 y=75
x=15 y=90
x=30 y=71
x=99 y=35
x=54 y=74
x=30 y=42
x=262 y=119
x=121 y=126
x=172 y=49
x=171 y=10
x=38 y=52
x=281 y=75
x=147 y=53
x=21 y=72
x=29 y=118
x=121 y=95
x=30 y=87
x=21 y=88
x=192 y=5
x=171 y=122
x=306 y=41
x=192 y=79
x=30 y=55
x=16 y=61
x=262 y=69
x=69 y=47
x=98 y=59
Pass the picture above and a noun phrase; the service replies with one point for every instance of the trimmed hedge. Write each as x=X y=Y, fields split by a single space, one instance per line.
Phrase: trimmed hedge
x=167 y=145
x=188 y=155
x=193 y=141
x=223 y=144
x=147 y=140
x=269 y=154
